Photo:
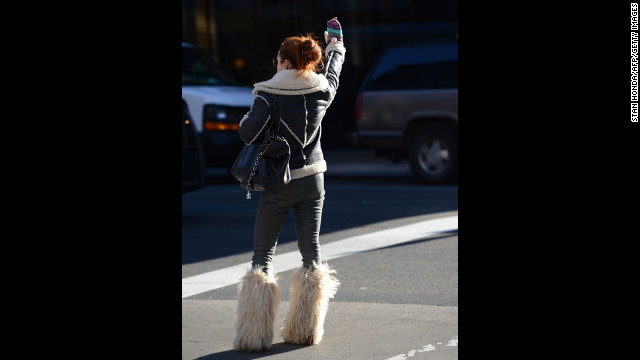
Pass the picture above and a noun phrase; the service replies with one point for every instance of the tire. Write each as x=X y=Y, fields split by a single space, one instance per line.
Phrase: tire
x=433 y=155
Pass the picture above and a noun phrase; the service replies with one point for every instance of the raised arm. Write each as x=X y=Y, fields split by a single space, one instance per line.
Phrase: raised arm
x=335 y=52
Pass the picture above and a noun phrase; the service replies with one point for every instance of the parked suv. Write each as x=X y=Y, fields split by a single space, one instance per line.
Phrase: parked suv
x=216 y=104
x=408 y=107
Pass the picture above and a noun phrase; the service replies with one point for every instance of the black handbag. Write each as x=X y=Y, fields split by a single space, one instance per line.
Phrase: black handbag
x=265 y=166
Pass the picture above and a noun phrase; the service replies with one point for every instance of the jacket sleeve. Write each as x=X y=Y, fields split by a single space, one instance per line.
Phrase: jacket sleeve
x=335 y=52
x=255 y=122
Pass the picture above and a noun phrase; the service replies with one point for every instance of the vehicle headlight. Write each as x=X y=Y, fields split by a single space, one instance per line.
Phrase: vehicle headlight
x=218 y=117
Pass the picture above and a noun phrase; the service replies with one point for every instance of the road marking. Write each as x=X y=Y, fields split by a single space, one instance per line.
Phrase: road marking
x=428 y=347
x=216 y=279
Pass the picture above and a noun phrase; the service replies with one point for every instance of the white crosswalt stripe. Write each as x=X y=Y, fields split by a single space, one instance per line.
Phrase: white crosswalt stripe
x=231 y=275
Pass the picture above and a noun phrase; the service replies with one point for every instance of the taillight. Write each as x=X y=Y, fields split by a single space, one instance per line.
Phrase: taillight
x=358 y=106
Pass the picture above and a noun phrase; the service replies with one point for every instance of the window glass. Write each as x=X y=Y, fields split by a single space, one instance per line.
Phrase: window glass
x=416 y=67
x=199 y=69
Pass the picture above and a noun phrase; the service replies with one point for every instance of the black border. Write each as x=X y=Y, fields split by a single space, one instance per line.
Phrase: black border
x=537 y=82
x=544 y=94
x=91 y=193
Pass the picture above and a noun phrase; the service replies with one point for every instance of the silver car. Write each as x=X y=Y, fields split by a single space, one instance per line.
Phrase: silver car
x=408 y=107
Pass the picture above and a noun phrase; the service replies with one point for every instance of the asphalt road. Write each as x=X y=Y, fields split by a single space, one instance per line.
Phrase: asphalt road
x=394 y=302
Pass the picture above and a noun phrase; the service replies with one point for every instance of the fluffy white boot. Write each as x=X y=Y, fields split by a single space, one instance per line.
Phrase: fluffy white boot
x=258 y=300
x=310 y=294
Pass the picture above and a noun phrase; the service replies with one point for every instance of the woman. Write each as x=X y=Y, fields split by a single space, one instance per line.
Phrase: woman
x=304 y=96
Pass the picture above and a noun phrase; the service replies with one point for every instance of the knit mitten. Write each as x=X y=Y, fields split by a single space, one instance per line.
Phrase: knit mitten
x=334 y=31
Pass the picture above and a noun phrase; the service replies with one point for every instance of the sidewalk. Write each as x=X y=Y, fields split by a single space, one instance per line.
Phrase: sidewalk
x=352 y=331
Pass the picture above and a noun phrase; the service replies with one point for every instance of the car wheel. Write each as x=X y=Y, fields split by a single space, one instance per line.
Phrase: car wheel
x=433 y=155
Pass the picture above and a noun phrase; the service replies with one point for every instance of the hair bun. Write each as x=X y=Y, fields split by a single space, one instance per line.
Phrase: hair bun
x=310 y=50
x=304 y=52
x=309 y=43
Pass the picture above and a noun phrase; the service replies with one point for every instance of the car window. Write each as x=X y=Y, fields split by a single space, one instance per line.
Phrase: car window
x=416 y=67
x=199 y=69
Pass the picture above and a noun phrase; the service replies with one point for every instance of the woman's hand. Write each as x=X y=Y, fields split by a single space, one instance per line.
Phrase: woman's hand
x=333 y=32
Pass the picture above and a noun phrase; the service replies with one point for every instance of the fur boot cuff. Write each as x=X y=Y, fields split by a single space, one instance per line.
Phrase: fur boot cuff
x=311 y=290
x=258 y=299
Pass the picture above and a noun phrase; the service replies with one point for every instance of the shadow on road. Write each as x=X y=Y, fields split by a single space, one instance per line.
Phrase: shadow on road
x=276 y=349
x=218 y=221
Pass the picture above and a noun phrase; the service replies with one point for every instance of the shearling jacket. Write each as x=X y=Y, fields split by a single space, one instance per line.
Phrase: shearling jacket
x=303 y=103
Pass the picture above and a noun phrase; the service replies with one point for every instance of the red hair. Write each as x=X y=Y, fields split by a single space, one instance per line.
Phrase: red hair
x=303 y=52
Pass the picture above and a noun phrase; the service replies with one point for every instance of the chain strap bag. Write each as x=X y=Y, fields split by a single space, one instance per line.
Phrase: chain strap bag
x=265 y=166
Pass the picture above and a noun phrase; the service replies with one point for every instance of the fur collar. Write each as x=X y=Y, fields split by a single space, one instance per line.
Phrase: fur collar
x=287 y=82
